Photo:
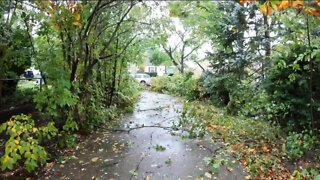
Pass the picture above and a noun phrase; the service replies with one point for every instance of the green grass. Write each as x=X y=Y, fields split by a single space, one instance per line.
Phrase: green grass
x=22 y=85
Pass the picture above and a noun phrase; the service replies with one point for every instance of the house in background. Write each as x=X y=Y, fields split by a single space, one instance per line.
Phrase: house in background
x=160 y=70
x=168 y=70
x=149 y=68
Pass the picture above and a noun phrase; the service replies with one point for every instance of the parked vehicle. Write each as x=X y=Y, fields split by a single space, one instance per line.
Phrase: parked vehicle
x=28 y=74
x=33 y=75
x=143 y=78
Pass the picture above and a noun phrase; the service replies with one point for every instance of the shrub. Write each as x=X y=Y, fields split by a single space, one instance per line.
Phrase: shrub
x=24 y=143
x=180 y=85
x=93 y=109
x=240 y=95
x=288 y=86
x=160 y=84
x=218 y=87
x=128 y=93
x=297 y=144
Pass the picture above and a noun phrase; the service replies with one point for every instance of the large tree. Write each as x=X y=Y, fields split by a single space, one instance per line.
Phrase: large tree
x=176 y=36
x=15 y=45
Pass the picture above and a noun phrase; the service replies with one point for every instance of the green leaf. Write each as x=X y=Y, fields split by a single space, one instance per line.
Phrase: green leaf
x=216 y=167
x=317 y=177
x=3 y=127
x=15 y=157
x=30 y=164
x=24 y=147
x=7 y=162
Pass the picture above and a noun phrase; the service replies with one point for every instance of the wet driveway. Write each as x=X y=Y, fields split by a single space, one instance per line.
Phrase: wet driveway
x=143 y=147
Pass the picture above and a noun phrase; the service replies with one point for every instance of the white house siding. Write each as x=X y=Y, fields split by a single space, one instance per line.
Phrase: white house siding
x=160 y=70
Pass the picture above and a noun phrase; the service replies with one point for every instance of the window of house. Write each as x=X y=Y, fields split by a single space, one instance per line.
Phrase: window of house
x=152 y=69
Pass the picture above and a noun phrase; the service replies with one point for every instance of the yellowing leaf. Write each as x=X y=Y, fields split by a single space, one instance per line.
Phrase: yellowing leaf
x=16 y=141
x=76 y=23
x=263 y=8
x=313 y=12
x=251 y=150
x=10 y=123
x=7 y=162
x=297 y=4
x=34 y=130
x=95 y=159
x=283 y=5
x=229 y=169
x=269 y=10
x=266 y=8
x=77 y=16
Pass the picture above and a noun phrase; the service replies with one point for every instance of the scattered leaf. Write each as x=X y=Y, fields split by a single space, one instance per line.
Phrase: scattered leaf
x=133 y=173
x=159 y=147
x=229 y=169
x=168 y=162
x=95 y=159
x=208 y=175
x=264 y=149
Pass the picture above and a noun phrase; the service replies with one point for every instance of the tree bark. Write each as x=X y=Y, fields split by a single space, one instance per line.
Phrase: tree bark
x=113 y=84
x=313 y=112
x=266 y=63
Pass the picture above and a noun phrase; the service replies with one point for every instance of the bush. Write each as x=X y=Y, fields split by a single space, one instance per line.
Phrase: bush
x=97 y=109
x=297 y=144
x=288 y=86
x=93 y=109
x=218 y=87
x=180 y=85
x=160 y=84
x=24 y=143
x=127 y=94
x=240 y=95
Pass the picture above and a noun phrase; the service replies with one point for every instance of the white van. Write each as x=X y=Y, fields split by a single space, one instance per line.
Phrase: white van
x=143 y=78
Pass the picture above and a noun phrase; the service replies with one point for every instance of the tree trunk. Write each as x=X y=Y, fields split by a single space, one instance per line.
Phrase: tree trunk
x=113 y=85
x=182 y=66
x=266 y=63
x=312 y=87
x=3 y=54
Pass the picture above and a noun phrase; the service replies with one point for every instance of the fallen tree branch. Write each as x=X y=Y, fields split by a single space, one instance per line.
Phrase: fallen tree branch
x=153 y=109
x=138 y=127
